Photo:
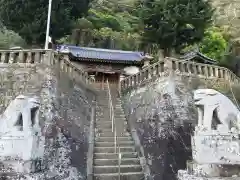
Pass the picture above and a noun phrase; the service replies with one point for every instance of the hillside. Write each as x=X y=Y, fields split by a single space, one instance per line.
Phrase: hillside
x=228 y=15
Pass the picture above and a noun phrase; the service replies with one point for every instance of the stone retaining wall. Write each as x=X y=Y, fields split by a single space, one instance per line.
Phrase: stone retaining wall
x=65 y=114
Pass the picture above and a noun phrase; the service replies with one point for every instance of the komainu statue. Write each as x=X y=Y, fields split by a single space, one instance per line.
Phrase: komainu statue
x=21 y=140
x=20 y=115
x=215 y=141
x=210 y=101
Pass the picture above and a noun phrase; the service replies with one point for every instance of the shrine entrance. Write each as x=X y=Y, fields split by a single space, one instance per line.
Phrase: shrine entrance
x=102 y=77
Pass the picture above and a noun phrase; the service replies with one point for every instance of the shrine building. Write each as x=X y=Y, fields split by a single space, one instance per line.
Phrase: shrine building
x=105 y=64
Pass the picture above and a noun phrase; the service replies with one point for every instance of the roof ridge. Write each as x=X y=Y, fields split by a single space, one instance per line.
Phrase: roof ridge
x=104 y=54
x=101 y=49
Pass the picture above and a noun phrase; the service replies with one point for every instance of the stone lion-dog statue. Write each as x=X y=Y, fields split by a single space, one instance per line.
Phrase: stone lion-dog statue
x=22 y=114
x=209 y=101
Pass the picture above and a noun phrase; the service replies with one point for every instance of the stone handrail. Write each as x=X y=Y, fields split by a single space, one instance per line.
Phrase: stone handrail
x=75 y=72
x=180 y=67
x=49 y=57
x=23 y=56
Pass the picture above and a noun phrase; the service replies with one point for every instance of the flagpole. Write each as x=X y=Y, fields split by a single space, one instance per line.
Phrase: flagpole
x=48 y=23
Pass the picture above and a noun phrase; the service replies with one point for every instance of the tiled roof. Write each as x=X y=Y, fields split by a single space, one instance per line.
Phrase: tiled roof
x=102 y=54
x=193 y=54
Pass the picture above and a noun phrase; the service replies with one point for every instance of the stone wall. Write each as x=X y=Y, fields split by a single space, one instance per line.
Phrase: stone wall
x=156 y=111
x=75 y=108
x=65 y=115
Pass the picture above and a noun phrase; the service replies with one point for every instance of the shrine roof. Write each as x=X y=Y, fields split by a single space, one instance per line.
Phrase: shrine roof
x=196 y=54
x=101 y=54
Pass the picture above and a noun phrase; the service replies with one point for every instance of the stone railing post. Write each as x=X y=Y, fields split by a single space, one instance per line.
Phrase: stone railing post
x=216 y=72
x=195 y=71
x=3 y=57
x=205 y=69
x=12 y=57
x=37 y=57
x=29 y=57
x=168 y=65
x=199 y=70
x=47 y=58
x=21 y=57
x=211 y=71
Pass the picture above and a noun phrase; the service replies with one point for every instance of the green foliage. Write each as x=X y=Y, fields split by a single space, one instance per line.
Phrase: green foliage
x=109 y=24
x=214 y=45
x=29 y=18
x=10 y=39
x=174 y=23
x=100 y=20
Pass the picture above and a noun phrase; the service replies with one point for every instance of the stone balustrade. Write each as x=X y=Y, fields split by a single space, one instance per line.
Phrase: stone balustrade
x=23 y=56
x=187 y=68
x=75 y=73
x=154 y=70
x=33 y=56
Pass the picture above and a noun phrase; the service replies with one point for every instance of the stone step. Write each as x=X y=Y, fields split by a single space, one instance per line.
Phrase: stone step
x=118 y=113
x=106 y=121
x=102 y=129
x=123 y=176
x=111 y=144
x=124 y=161
x=112 y=149
x=121 y=118
x=103 y=125
x=104 y=104
x=103 y=116
x=112 y=139
x=115 y=155
x=110 y=133
x=108 y=127
x=107 y=117
x=115 y=169
x=105 y=101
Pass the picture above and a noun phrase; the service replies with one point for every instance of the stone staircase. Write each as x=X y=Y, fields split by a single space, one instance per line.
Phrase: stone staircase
x=106 y=164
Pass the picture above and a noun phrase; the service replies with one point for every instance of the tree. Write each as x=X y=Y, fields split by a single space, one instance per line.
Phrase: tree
x=10 y=39
x=174 y=24
x=214 y=45
x=109 y=24
x=82 y=32
x=29 y=18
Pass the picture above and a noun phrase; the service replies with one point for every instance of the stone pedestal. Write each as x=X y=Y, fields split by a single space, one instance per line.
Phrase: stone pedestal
x=216 y=155
x=20 y=152
x=185 y=175
x=216 y=147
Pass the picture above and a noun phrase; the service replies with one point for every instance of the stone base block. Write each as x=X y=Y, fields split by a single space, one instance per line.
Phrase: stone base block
x=21 y=166
x=184 y=175
x=212 y=170
x=215 y=147
x=19 y=176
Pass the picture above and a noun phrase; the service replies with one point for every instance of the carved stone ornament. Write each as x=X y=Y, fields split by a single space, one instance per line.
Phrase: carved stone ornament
x=20 y=115
x=210 y=101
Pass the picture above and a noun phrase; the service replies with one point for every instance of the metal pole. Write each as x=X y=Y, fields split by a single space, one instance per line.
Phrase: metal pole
x=48 y=23
x=119 y=163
